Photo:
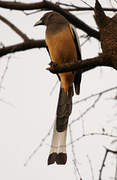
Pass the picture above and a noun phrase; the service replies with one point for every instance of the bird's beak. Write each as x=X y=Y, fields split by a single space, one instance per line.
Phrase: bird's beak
x=40 y=22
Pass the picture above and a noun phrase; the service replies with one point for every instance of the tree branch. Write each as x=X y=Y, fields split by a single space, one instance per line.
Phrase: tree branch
x=23 y=46
x=74 y=155
x=87 y=110
x=85 y=65
x=111 y=151
x=91 y=134
x=96 y=94
x=91 y=167
x=51 y=6
x=103 y=164
x=14 y=28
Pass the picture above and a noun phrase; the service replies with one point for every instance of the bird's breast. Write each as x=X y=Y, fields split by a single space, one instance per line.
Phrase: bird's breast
x=61 y=46
x=62 y=50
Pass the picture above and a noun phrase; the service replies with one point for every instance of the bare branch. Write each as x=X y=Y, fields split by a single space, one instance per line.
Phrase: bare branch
x=6 y=102
x=77 y=8
x=91 y=167
x=38 y=147
x=74 y=155
x=116 y=170
x=111 y=151
x=87 y=110
x=103 y=164
x=91 y=134
x=4 y=72
x=86 y=40
x=14 y=28
x=22 y=46
x=96 y=94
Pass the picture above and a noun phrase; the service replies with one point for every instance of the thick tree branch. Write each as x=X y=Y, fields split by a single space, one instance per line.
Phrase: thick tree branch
x=51 y=6
x=85 y=65
x=23 y=46
x=14 y=28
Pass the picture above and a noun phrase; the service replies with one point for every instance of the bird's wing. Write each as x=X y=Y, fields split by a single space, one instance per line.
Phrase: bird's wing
x=78 y=74
x=76 y=41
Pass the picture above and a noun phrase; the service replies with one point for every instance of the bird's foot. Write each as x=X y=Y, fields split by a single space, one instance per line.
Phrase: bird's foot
x=53 y=64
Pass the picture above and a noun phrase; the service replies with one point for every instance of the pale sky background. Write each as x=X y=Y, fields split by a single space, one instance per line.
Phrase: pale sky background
x=30 y=111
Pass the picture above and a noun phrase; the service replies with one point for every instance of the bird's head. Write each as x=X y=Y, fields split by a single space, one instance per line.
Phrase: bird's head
x=51 y=18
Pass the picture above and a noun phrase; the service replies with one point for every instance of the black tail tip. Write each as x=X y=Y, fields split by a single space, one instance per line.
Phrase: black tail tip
x=52 y=158
x=61 y=158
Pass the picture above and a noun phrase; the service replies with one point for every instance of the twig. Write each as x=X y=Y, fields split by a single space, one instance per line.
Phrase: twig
x=38 y=147
x=87 y=4
x=116 y=169
x=103 y=164
x=6 y=102
x=91 y=134
x=34 y=12
x=87 y=110
x=14 y=28
x=96 y=94
x=4 y=72
x=77 y=8
x=111 y=151
x=87 y=39
x=91 y=167
x=74 y=155
x=83 y=128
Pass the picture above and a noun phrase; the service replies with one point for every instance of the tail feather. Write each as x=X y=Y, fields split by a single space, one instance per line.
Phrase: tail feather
x=64 y=109
x=58 y=145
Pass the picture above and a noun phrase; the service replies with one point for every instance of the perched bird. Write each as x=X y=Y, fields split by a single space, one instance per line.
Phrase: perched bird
x=63 y=47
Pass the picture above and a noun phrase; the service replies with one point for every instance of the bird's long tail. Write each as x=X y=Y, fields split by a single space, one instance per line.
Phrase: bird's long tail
x=58 y=145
